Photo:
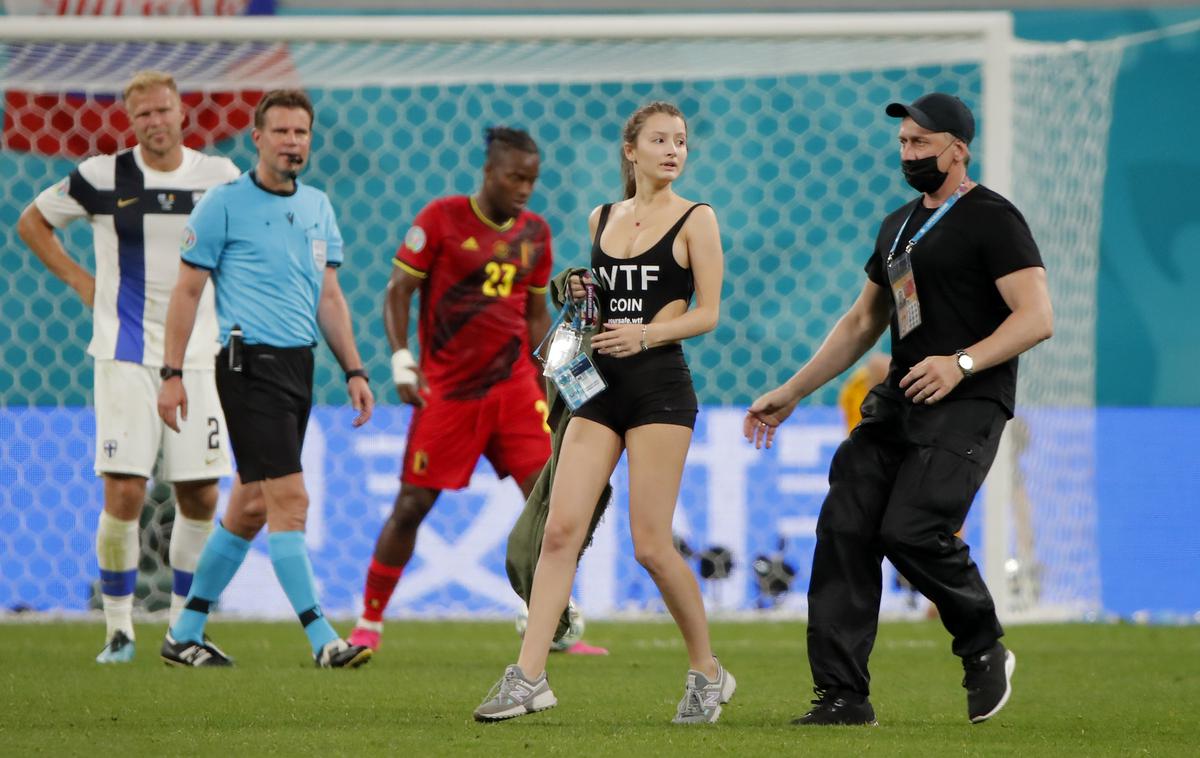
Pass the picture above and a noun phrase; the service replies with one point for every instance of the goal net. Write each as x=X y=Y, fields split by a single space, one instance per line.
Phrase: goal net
x=789 y=144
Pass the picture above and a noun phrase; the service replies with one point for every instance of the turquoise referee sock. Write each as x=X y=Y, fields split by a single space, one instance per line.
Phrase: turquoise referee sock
x=223 y=555
x=289 y=556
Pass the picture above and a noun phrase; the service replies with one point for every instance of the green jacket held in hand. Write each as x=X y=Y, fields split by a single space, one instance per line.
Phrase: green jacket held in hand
x=525 y=540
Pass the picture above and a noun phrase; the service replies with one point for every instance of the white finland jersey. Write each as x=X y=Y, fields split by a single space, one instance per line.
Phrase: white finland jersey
x=138 y=217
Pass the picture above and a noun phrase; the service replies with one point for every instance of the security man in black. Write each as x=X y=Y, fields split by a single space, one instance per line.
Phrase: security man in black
x=958 y=278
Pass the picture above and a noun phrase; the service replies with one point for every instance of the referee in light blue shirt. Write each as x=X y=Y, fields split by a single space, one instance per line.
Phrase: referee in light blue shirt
x=272 y=248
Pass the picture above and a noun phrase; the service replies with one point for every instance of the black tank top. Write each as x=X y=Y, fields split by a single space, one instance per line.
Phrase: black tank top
x=633 y=290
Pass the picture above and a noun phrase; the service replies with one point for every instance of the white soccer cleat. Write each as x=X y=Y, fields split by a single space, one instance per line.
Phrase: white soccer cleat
x=340 y=654
x=118 y=649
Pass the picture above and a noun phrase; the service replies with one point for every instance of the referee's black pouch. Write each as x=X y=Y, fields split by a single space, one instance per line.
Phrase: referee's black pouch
x=236 y=351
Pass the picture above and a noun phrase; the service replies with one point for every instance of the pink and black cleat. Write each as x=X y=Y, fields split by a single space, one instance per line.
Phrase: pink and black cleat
x=583 y=648
x=365 y=637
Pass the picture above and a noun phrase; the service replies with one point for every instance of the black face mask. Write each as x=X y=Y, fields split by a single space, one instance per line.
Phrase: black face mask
x=923 y=174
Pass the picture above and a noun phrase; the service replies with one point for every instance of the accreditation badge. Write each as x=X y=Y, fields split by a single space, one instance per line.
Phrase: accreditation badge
x=904 y=291
x=578 y=381
x=565 y=344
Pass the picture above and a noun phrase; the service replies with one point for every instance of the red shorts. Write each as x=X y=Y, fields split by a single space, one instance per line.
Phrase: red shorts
x=508 y=425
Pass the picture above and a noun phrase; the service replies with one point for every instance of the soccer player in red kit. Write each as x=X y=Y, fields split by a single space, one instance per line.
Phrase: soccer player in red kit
x=482 y=265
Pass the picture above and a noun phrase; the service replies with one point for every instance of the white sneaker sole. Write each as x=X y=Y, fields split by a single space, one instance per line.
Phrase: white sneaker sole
x=541 y=702
x=1010 y=665
x=729 y=688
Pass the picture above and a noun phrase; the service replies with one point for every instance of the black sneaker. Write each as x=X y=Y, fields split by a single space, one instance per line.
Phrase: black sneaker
x=192 y=654
x=988 y=680
x=832 y=709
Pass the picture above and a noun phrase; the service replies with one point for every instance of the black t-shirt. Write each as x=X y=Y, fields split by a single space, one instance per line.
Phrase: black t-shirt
x=956 y=265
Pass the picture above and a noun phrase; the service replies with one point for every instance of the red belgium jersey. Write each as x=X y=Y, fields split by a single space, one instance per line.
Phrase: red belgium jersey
x=477 y=277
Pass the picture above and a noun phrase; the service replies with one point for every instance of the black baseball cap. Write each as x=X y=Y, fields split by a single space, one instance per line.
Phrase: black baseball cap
x=938 y=112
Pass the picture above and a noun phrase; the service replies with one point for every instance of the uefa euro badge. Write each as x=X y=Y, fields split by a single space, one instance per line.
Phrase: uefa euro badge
x=904 y=291
x=319 y=253
x=578 y=381
x=565 y=344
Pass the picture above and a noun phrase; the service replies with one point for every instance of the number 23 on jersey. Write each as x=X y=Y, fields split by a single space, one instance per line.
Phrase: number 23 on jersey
x=499 y=281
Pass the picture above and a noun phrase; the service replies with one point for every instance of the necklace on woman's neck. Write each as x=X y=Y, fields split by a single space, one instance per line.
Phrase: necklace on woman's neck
x=638 y=222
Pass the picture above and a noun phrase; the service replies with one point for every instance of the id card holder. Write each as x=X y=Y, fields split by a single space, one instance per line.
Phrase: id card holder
x=904 y=292
x=564 y=344
x=578 y=381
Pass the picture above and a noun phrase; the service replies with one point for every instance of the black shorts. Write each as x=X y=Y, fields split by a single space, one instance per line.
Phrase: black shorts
x=266 y=408
x=654 y=387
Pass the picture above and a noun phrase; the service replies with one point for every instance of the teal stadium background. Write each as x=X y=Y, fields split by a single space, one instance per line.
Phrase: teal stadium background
x=798 y=204
x=1148 y=337
x=798 y=215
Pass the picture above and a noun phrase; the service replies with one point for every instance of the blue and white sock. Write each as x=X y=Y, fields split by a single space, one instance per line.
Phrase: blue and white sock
x=223 y=555
x=289 y=556
x=188 y=537
x=117 y=549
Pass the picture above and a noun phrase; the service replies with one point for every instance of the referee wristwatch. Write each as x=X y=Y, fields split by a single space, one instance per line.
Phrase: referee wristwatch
x=169 y=372
x=966 y=364
x=358 y=372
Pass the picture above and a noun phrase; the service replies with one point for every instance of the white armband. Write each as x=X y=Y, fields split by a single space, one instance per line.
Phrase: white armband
x=403 y=367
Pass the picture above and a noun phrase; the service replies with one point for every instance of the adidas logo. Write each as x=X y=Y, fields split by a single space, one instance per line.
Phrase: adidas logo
x=470 y=244
x=195 y=655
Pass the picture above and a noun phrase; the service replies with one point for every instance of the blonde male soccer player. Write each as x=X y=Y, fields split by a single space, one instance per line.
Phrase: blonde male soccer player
x=137 y=203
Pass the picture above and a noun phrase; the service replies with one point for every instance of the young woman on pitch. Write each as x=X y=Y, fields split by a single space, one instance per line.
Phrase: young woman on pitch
x=651 y=253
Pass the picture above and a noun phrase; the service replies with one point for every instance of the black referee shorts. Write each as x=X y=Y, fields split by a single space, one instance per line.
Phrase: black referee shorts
x=266 y=408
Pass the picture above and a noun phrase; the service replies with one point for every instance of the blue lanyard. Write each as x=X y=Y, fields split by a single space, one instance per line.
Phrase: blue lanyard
x=936 y=217
x=581 y=316
x=558 y=320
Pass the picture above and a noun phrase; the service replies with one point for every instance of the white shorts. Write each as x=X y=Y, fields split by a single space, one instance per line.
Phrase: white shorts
x=129 y=433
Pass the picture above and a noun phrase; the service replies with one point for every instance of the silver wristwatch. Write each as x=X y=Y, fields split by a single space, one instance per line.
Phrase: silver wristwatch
x=966 y=364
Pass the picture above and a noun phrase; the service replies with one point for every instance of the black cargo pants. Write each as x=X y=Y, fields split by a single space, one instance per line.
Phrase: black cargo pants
x=900 y=486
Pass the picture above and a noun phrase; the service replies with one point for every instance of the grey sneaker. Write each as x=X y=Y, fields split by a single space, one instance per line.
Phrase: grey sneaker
x=702 y=699
x=514 y=695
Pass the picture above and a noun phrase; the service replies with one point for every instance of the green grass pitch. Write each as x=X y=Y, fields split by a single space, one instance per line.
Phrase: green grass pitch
x=1079 y=690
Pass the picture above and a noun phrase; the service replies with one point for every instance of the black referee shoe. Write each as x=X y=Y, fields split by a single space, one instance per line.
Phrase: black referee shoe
x=987 y=678
x=187 y=654
x=832 y=709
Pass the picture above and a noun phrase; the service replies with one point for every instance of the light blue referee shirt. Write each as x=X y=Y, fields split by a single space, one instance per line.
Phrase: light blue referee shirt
x=267 y=253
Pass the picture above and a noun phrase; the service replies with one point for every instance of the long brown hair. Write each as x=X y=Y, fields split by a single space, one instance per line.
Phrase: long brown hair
x=633 y=127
